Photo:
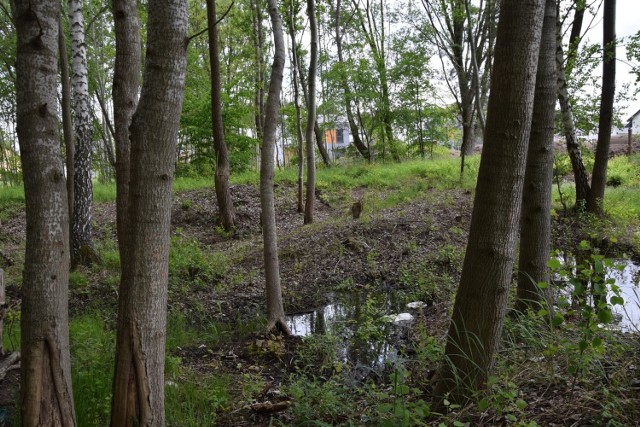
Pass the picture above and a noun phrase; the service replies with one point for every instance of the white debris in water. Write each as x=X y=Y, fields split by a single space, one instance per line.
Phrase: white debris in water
x=403 y=317
x=416 y=304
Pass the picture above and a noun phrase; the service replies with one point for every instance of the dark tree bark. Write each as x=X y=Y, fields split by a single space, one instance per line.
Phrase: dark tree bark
x=46 y=392
x=599 y=176
x=275 y=308
x=82 y=250
x=481 y=300
x=535 y=222
x=581 y=178
x=223 y=190
x=138 y=396
x=126 y=84
x=311 y=115
x=67 y=122
x=348 y=97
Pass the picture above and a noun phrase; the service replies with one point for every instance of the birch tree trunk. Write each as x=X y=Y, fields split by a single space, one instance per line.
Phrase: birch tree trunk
x=535 y=226
x=46 y=392
x=126 y=84
x=223 y=192
x=481 y=301
x=82 y=251
x=275 y=308
x=67 y=122
x=138 y=392
x=311 y=115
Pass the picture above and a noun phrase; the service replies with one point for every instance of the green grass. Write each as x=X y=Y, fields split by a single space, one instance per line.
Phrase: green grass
x=92 y=359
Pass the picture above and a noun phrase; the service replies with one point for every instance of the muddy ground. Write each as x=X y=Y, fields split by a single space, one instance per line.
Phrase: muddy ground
x=378 y=250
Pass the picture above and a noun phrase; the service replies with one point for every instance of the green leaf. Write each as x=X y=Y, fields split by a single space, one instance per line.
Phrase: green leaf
x=483 y=405
x=554 y=263
x=521 y=404
x=617 y=300
x=386 y=407
x=584 y=245
x=605 y=316
x=458 y=424
x=542 y=285
x=542 y=312
x=583 y=345
x=597 y=342
x=557 y=320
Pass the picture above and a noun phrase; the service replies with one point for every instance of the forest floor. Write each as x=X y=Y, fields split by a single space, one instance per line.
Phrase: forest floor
x=395 y=253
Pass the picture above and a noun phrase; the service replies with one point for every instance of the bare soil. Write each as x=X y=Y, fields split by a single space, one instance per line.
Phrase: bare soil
x=316 y=260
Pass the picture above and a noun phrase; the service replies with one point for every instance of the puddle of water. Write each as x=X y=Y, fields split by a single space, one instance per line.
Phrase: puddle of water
x=368 y=340
x=628 y=280
x=627 y=316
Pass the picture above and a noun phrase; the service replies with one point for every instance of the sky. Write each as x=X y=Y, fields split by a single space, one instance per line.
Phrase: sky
x=627 y=23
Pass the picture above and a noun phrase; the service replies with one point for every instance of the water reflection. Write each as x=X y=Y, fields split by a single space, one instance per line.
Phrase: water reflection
x=367 y=339
x=628 y=280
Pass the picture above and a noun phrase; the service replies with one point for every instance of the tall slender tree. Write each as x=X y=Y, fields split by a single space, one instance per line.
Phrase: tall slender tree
x=126 y=85
x=67 y=121
x=535 y=222
x=275 y=308
x=82 y=251
x=599 y=176
x=374 y=34
x=344 y=82
x=138 y=392
x=481 y=300
x=311 y=115
x=46 y=391
x=296 y=103
x=223 y=190
x=581 y=177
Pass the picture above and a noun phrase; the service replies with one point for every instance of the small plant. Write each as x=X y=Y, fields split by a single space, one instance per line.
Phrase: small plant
x=503 y=398
x=191 y=267
x=589 y=295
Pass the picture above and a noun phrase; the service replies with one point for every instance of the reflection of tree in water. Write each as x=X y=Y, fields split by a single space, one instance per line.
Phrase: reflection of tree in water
x=367 y=339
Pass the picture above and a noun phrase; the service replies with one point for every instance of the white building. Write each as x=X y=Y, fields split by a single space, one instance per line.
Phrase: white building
x=634 y=123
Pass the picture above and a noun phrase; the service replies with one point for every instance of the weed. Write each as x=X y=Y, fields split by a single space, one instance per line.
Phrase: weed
x=92 y=358
x=191 y=267
x=78 y=279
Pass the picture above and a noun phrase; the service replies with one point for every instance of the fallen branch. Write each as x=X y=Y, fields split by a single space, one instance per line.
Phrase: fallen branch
x=9 y=363
x=270 y=408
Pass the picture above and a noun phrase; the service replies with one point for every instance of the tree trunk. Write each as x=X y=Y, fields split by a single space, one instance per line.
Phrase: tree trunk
x=46 y=392
x=258 y=44
x=275 y=308
x=481 y=300
x=126 y=83
x=316 y=128
x=599 y=176
x=535 y=220
x=138 y=392
x=223 y=191
x=311 y=115
x=296 y=102
x=67 y=122
x=353 y=127
x=82 y=251
x=580 y=175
